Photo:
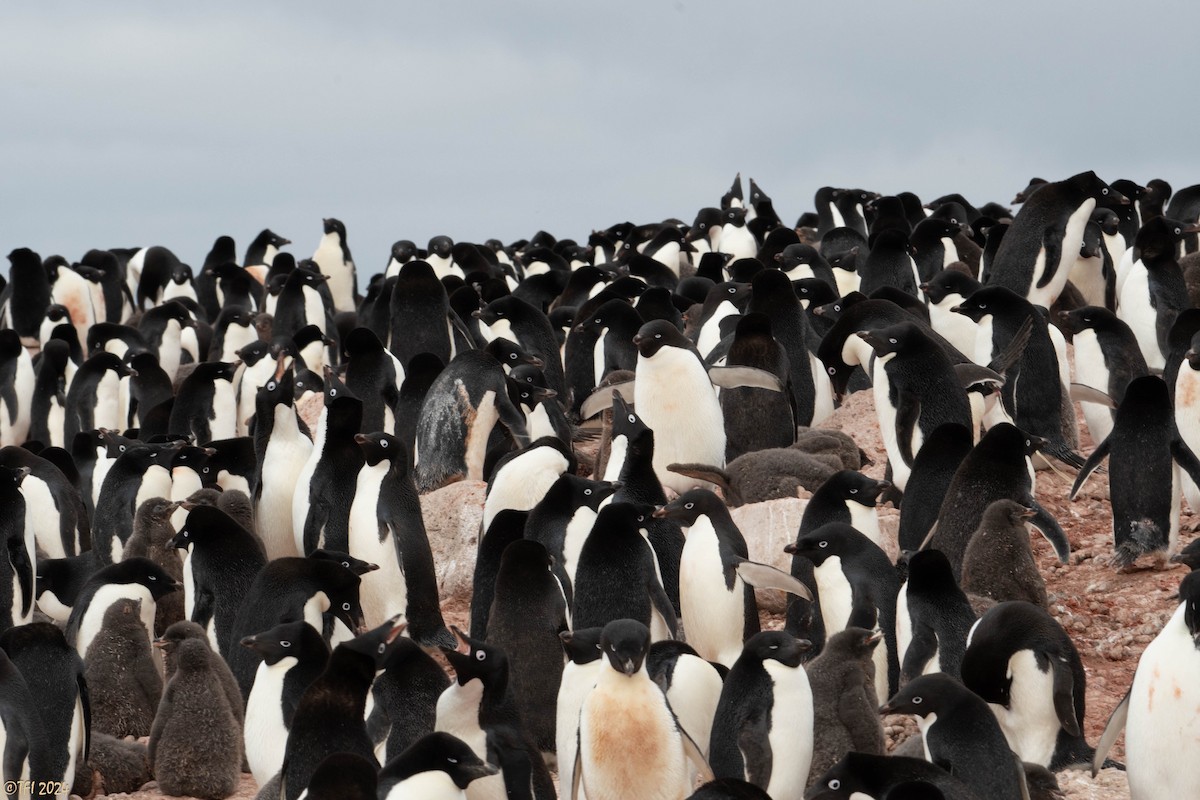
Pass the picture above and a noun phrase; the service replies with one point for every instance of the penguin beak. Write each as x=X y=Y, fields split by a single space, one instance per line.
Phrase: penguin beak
x=1192 y=229
x=791 y=548
x=536 y=362
x=477 y=313
x=660 y=512
x=249 y=641
x=1028 y=513
x=881 y=487
x=482 y=771
x=637 y=339
x=464 y=647
x=886 y=708
x=628 y=667
x=1177 y=559
x=160 y=643
x=360 y=438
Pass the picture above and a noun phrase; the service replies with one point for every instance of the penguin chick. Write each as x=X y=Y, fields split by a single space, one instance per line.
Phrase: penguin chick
x=152 y=530
x=124 y=766
x=122 y=675
x=196 y=743
x=998 y=562
x=186 y=630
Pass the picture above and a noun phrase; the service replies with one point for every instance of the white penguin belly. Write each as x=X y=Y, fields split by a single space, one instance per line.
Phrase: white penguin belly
x=331 y=262
x=694 y=695
x=475 y=450
x=1030 y=723
x=1163 y=727
x=834 y=594
x=286 y=455
x=538 y=424
x=577 y=681
x=577 y=532
x=43 y=516
x=458 y=714
x=265 y=732
x=791 y=735
x=958 y=329
x=710 y=332
x=1187 y=421
x=713 y=616
x=314 y=308
x=107 y=412
x=189 y=583
x=847 y=281
x=300 y=497
x=383 y=592
x=56 y=418
x=823 y=404
x=523 y=487
x=1090 y=371
x=104 y=597
x=1068 y=252
x=184 y=483
x=904 y=633
x=170 y=349
x=885 y=412
x=675 y=398
x=1088 y=276
x=52 y=607
x=434 y=784
x=1136 y=311
x=866 y=520
x=223 y=424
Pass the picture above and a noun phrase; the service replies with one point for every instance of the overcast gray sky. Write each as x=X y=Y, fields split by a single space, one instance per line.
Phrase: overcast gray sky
x=172 y=123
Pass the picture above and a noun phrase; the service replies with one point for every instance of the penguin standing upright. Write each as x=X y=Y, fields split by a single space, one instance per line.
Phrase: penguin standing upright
x=196 y=742
x=1154 y=292
x=386 y=528
x=1035 y=256
x=772 y=295
x=763 y=729
x=331 y=715
x=419 y=315
x=374 y=376
x=151 y=537
x=293 y=655
x=405 y=699
x=563 y=518
x=333 y=257
x=282 y=448
x=137 y=474
x=325 y=489
x=122 y=672
x=26 y=748
x=1165 y=671
x=890 y=263
x=17 y=379
x=998 y=562
x=674 y=397
x=585 y=660
x=1146 y=454
x=757 y=419
x=48 y=406
x=94 y=396
x=629 y=742
x=205 y=407
x=933 y=618
x=1107 y=358
x=27 y=295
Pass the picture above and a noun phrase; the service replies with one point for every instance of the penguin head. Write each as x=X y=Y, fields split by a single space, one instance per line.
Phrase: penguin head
x=335 y=388
x=58 y=313
x=332 y=225
x=925 y=695
x=355 y=565
x=624 y=516
x=1107 y=220
x=279 y=390
x=404 y=251
x=1090 y=185
x=381 y=446
x=306 y=381
x=814 y=291
x=275 y=283
x=24 y=259
x=376 y=643
x=707 y=225
x=440 y=246
x=155 y=511
x=308 y=335
x=730 y=292
x=776 y=646
x=988 y=301
x=1032 y=186
x=929 y=572
x=269 y=237
x=446 y=753
x=949 y=219
x=341 y=586
x=625 y=643
x=474 y=659
x=1160 y=237
x=589 y=493
x=949 y=282
x=653 y=336
x=11 y=478
x=140 y=570
x=307 y=273
x=904 y=337
x=582 y=646
x=846 y=260
x=853 y=486
x=1193 y=352
x=833 y=311
x=1189 y=556
x=1001 y=514
x=361 y=342
x=690 y=506
x=178 y=633
x=831 y=539
x=289 y=640
x=854 y=776
x=1189 y=595
x=511 y=354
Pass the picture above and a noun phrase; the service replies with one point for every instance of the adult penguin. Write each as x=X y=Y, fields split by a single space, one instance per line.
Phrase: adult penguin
x=27 y=295
x=282 y=448
x=94 y=397
x=1035 y=256
x=1154 y=292
x=512 y=318
x=1107 y=358
x=890 y=263
x=162 y=329
x=333 y=258
x=757 y=419
x=331 y=715
x=404 y=699
x=48 y=407
x=374 y=376
x=437 y=766
x=53 y=505
x=419 y=314
x=300 y=304
x=321 y=508
x=1145 y=455
x=138 y=474
x=772 y=295
x=933 y=618
x=205 y=407
x=386 y=528
x=998 y=468
x=562 y=519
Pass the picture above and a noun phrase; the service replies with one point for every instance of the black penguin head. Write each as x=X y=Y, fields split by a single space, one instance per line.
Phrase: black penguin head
x=625 y=422
x=205 y=523
x=511 y=354
x=729 y=291
x=341 y=587
x=1107 y=220
x=380 y=446
x=624 y=516
x=474 y=659
x=1005 y=438
x=11 y=478
x=331 y=225
x=795 y=255
x=776 y=646
x=290 y=640
x=1193 y=352
x=851 y=485
x=1090 y=184
x=929 y=572
x=278 y=390
x=831 y=539
x=440 y=246
x=854 y=776
x=442 y=752
x=376 y=643
x=625 y=643
x=404 y=251
x=58 y=313
x=307 y=381
x=814 y=291
x=335 y=389
x=987 y=301
x=653 y=336
x=586 y=492
x=527 y=393
x=582 y=646
x=708 y=220
x=949 y=282
x=139 y=570
x=690 y=506
x=833 y=311
x=1158 y=238
x=355 y=565
x=925 y=695
x=1089 y=318
x=901 y=338
x=1189 y=595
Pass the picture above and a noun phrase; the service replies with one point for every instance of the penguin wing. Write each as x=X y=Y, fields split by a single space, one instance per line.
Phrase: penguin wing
x=1045 y=522
x=16 y=750
x=920 y=650
x=512 y=418
x=764 y=576
x=1186 y=458
x=662 y=603
x=202 y=608
x=24 y=569
x=755 y=745
x=1064 y=694
x=712 y=474
x=1089 y=466
x=974 y=375
x=744 y=377
x=86 y=702
x=695 y=754
x=1087 y=394
x=601 y=399
x=1112 y=729
x=505 y=749
x=1052 y=246
x=1003 y=362
x=577 y=771
x=908 y=411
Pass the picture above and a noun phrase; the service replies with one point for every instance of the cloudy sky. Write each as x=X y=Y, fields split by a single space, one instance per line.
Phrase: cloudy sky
x=170 y=123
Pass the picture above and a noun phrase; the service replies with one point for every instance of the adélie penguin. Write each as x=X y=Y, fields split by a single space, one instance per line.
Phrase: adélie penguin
x=436 y=767
x=333 y=257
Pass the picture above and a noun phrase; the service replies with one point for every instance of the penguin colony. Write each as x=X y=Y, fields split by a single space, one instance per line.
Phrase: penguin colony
x=188 y=560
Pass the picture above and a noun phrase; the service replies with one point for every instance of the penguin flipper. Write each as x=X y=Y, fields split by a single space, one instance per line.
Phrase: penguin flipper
x=1089 y=466
x=85 y=700
x=202 y=610
x=920 y=650
x=1186 y=458
x=512 y=418
x=24 y=570
x=1052 y=532
x=1064 y=695
x=1112 y=729
x=764 y=576
x=577 y=770
x=1003 y=362
x=712 y=474
x=907 y=414
x=601 y=399
x=974 y=375
x=16 y=750
x=1087 y=394
x=662 y=603
x=754 y=743
x=695 y=754
x=744 y=377
x=1052 y=245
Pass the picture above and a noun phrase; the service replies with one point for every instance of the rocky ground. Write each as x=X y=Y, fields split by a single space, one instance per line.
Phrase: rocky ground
x=1110 y=616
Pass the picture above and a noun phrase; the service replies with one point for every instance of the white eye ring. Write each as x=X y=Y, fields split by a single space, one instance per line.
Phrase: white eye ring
x=632 y=418
x=893 y=341
x=345 y=606
x=982 y=306
x=122 y=448
x=689 y=506
x=382 y=647
x=1104 y=191
x=333 y=392
x=831 y=371
x=383 y=443
x=822 y=544
x=854 y=491
x=452 y=760
x=480 y=655
x=658 y=336
x=587 y=492
x=285 y=643
x=835 y=784
x=151 y=577
x=270 y=386
x=916 y=701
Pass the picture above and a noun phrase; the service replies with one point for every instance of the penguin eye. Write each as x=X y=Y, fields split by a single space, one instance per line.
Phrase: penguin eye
x=285 y=643
x=733 y=291
x=587 y=492
x=837 y=307
x=512 y=356
x=207 y=470
x=834 y=784
x=632 y=418
x=480 y=655
x=333 y=392
x=854 y=491
x=689 y=506
x=383 y=443
x=1104 y=190
x=916 y=701
x=270 y=386
x=300 y=384
x=982 y=305
x=122 y=448
x=345 y=606
x=641 y=517
x=381 y=648
x=1178 y=231
x=822 y=544
x=452 y=760
x=774 y=647
x=893 y=341
x=151 y=577
x=658 y=336
x=1027 y=443
x=703 y=225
